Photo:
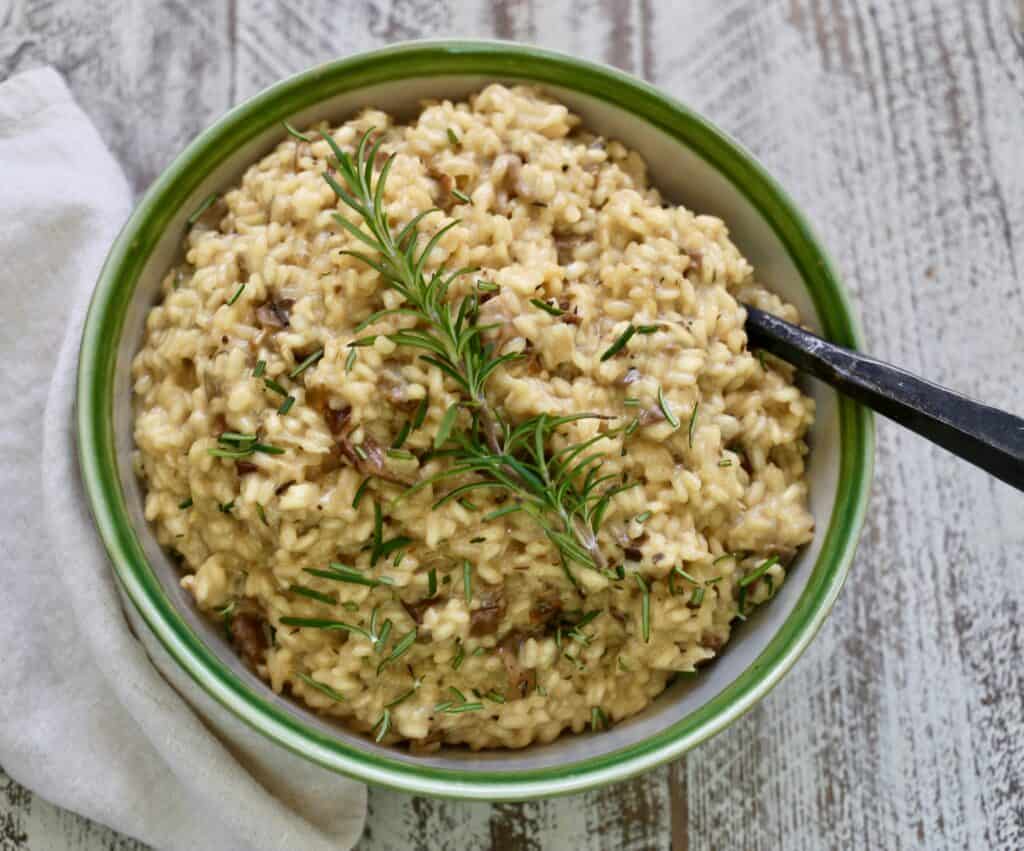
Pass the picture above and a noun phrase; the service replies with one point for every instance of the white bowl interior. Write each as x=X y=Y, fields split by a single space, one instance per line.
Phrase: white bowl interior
x=684 y=177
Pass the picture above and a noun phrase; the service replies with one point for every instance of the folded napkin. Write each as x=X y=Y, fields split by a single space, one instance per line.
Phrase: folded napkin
x=86 y=719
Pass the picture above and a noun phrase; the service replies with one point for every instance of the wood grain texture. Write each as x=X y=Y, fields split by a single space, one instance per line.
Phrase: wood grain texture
x=899 y=128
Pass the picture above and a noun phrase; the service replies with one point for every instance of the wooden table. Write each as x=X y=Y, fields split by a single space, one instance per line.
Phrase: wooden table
x=899 y=128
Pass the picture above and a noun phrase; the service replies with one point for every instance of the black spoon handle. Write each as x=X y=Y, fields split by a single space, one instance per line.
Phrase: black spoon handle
x=988 y=437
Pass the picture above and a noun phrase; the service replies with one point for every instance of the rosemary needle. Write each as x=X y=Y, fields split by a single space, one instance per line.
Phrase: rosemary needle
x=645 y=607
x=204 y=205
x=323 y=688
x=666 y=409
x=306 y=364
x=618 y=345
x=293 y=132
x=547 y=307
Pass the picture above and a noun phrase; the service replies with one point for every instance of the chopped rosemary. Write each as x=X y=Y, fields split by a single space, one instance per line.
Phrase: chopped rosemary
x=186 y=503
x=461 y=196
x=693 y=423
x=360 y=491
x=267 y=449
x=598 y=720
x=452 y=137
x=286 y=405
x=385 y=633
x=648 y=329
x=360 y=452
x=495 y=696
x=225 y=507
x=350 y=361
x=460 y=655
x=631 y=402
x=313 y=595
x=204 y=205
x=758 y=572
x=617 y=346
x=421 y=413
x=677 y=570
x=546 y=307
x=465 y=707
x=643 y=517
x=399 y=649
x=261 y=513
x=326 y=624
x=233 y=437
x=431 y=582
x=696 y=598
x=362 y=342
x=685 y=575
x=385 y=548
x=467 y=580
x=403 y=433
x=343 y=573
x=273 y=385
x=350 y=606
x=725 y=462
x=487 y=286
x=741 y=603
x=723 y=557
x=477 y=540
x=458 y=694
x=645 y=607
x=293 y=132
x=238 y=293
x=469 y=506
x=666 y=409
x=307 y=363
x=261 y=366
x=321 y=687
x=401 y=454
x=380 y=729
x=404 y=695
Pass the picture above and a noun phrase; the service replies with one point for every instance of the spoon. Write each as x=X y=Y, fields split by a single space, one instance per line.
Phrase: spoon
x=985 y=436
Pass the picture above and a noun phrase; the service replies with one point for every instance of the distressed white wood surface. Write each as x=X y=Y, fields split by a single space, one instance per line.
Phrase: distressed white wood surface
x=899 y=127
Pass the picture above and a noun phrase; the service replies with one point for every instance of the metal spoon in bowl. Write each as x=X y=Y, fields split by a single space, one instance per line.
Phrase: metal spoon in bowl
x=990 y=438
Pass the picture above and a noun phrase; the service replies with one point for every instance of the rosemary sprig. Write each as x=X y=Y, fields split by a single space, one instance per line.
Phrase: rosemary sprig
x=562 y=491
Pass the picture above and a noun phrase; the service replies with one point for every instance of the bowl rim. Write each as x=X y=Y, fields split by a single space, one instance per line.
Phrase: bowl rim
x=500 y=60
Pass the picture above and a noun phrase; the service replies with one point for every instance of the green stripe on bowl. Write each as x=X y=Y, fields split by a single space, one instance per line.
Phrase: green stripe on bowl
x=96 y=392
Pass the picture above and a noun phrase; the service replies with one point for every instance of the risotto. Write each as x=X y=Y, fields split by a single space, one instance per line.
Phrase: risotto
x=526 y=521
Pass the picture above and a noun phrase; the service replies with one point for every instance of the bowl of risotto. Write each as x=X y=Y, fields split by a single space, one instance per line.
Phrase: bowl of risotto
x=417 y=415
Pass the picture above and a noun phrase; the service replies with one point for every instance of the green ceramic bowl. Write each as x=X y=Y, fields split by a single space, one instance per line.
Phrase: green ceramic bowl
x=692 y=162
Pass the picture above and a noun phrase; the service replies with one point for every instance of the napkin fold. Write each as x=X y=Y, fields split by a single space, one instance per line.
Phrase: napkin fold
x=88 y=719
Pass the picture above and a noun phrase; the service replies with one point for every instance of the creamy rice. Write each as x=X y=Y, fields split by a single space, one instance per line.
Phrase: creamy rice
x=553 y=213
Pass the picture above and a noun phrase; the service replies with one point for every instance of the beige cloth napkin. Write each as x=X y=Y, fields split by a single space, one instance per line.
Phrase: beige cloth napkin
x=86 y=719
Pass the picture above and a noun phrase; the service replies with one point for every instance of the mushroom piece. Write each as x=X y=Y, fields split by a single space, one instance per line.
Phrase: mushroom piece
x=249 y=637
x=520 y=680
x=485 y=619
x=275 y=313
